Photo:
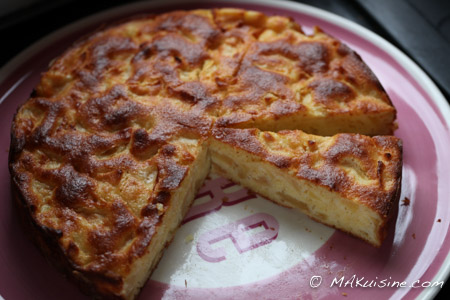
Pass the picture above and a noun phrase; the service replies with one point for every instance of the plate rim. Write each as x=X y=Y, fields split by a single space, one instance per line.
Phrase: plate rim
x=413 y=69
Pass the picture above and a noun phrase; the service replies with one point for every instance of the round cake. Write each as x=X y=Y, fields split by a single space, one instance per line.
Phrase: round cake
x=108 y=152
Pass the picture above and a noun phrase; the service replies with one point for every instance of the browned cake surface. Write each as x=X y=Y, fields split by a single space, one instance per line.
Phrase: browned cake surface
x=120 y=122
x=362 y=171
x=349 y=164
x=103 y=194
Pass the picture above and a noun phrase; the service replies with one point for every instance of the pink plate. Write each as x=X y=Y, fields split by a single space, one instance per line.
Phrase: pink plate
x=233 y=244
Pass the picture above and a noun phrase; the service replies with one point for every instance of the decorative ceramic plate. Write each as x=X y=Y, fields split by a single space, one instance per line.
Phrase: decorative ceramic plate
x=233 y=244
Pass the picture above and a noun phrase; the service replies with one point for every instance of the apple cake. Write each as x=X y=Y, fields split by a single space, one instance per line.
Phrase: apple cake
x=346 y=181
x=108 y=152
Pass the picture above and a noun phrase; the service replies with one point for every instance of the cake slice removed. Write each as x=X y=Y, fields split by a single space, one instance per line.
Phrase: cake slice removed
x=347 y=181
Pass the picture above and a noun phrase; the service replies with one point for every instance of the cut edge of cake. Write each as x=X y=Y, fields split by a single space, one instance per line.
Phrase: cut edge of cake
x=143 y=258
x=341 y=196
x=181 y=200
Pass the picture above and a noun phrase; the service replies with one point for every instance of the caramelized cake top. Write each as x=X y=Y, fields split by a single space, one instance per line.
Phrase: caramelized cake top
x=116 y=122
x=365 y=170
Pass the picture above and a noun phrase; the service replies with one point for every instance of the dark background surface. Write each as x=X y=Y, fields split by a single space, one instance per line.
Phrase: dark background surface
x=419 y=28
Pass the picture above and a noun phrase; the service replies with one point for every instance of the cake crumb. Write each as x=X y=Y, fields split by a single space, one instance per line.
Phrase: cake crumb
x=225 y=199
x=185 y=283
x=439 y=220
x=344 y=294
x=189 y=238
x=405 y=202
x=414 y=236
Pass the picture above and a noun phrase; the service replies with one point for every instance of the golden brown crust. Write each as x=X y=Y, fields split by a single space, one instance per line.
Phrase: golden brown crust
x=118 y=121
x=366 y=171
x=242 y=67
x=91 y=192
x=329 y=162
